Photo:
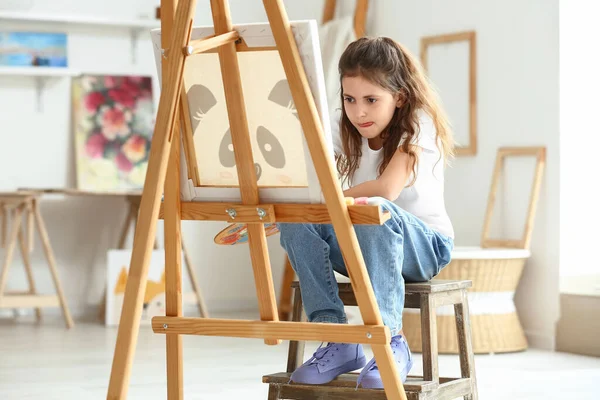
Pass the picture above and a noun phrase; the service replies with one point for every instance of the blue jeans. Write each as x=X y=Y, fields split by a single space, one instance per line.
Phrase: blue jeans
x=404 y=249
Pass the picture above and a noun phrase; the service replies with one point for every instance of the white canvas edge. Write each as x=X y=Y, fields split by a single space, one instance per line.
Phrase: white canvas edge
x=260 y=35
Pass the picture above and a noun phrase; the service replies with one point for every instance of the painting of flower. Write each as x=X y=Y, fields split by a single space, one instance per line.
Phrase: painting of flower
x=113 y=120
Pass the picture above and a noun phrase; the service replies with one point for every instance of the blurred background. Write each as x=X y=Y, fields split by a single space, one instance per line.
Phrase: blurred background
x=79 y=90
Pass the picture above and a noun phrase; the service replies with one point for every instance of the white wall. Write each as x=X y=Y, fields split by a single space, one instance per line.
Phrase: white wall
x=580 y=138
x=517 y=105
x=517 y=92
x=36 y=151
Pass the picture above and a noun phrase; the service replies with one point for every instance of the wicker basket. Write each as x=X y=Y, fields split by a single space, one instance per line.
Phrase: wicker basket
x=495 y=325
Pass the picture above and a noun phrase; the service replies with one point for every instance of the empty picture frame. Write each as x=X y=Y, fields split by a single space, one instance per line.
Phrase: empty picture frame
x=450 y=61
x=539 y=154
x=284 y=168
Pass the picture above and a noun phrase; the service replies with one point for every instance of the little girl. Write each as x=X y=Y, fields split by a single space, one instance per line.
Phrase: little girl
x=391 y=144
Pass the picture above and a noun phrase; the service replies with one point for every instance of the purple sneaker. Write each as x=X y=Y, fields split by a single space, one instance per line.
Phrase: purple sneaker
x=369 y=376
x=329 y=362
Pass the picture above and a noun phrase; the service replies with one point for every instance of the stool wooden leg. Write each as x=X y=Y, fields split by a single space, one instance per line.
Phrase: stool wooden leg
x=296 y=349
x=465 y=344
x=429 y=338
x=273 y=392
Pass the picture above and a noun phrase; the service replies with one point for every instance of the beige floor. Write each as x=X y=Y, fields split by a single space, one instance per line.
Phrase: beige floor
x=50 y=363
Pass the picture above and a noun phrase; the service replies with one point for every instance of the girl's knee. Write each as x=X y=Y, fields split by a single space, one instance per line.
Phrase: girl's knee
x=286 y=231
x=289 y=232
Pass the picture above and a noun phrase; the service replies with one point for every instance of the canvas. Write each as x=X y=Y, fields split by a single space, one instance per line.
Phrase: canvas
x=282 y=162
x=113 y=122
x=154 y=298
x=34 y=49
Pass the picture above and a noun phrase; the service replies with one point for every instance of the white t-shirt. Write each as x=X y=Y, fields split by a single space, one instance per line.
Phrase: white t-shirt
x=425 y=198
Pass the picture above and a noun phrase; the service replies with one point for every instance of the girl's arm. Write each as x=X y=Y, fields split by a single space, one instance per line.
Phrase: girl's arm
x=391 y=182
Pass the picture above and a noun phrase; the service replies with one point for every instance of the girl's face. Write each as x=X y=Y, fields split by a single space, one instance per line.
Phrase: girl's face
x=369 y=107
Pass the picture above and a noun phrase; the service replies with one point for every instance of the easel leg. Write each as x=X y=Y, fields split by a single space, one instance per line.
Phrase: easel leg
x=174 y=306
x=172 y=237
x=134 y=206
x=150 y=205
x=131 y=216
x=285 y=296
x=28 y=270
x=194 y=280
x=51 y=263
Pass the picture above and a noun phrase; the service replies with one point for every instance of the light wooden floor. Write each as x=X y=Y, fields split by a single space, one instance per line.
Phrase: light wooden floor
x=50 y=363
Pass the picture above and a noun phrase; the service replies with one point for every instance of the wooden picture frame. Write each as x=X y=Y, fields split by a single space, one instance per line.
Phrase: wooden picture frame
x=360 y=15
x=523 y=243
x=469 y=149
x=208 y=164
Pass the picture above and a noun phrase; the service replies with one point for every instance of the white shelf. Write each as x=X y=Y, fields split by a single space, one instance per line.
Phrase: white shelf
x=41 y=76
x=38 y=71
x=78 y=20
x=134 y=26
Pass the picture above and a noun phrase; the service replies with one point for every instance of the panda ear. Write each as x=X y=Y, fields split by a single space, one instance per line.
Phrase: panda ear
x=281 y=94
x=200 y=100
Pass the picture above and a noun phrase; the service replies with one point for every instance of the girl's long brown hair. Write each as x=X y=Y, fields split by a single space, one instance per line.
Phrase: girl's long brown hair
x=388 y=64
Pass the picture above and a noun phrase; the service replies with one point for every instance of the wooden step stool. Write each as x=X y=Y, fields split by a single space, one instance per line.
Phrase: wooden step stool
x=424 y=296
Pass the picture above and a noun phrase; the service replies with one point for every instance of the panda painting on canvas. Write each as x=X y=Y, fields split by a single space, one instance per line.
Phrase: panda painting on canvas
x=282 y=161
x=274 y=128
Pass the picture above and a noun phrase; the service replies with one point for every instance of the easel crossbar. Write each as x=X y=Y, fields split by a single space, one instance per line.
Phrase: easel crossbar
x=206 y=44
x=288 y=212
x=367 y=334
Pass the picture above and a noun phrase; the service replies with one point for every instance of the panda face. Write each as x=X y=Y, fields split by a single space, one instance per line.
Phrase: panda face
x=273 y=123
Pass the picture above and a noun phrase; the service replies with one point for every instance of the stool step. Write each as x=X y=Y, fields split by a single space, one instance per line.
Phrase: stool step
x=433 y=286
x=413 y=383
x=345 y=387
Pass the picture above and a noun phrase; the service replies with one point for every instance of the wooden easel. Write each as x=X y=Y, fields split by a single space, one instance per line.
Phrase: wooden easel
x=24 y=206
x=177 y=22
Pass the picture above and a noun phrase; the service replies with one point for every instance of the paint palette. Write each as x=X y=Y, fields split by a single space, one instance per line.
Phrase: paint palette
x=238 y=234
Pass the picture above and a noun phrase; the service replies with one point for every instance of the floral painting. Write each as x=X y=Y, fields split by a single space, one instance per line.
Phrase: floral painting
x=113 y=119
